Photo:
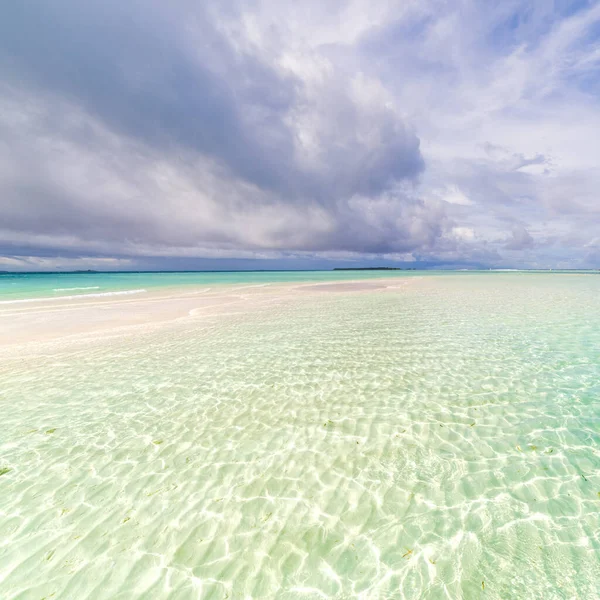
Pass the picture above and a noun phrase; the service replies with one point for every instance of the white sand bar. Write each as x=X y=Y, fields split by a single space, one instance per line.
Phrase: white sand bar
x=31 y=321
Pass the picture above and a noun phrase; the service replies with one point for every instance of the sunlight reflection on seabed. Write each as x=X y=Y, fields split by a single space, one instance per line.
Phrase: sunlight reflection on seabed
x=431 y=440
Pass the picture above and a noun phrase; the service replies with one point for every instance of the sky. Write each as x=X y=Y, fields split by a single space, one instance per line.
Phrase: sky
x=278 y=134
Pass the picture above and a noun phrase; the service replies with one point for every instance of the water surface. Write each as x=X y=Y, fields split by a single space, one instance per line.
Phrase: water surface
x=438 y=440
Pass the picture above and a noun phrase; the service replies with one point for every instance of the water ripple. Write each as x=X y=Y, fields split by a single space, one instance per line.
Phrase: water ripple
x=434 y=441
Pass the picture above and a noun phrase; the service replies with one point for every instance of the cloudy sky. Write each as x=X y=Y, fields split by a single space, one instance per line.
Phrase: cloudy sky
x=249 y=133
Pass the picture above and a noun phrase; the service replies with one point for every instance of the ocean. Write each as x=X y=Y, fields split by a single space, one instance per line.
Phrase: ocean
x=35 y=286
x=436 y=438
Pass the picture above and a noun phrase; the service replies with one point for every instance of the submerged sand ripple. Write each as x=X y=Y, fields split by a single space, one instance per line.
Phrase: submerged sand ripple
x=437 y=441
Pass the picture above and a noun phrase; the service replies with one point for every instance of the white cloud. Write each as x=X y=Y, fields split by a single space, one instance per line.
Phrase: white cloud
x=454 y=195
x=464 y=233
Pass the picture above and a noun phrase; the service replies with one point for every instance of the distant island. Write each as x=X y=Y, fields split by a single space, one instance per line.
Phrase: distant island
x=373 y=269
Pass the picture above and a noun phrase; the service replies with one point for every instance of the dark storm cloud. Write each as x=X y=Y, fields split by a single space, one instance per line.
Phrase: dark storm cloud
x=127 y=63
x=132 y=66
x=168 y=80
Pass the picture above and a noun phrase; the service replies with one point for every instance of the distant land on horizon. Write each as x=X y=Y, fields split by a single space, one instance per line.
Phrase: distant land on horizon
x=91 y=271
x=374 y=269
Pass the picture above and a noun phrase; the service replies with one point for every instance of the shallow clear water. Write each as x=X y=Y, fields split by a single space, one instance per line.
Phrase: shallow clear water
x=19 y=287
x=436 y=441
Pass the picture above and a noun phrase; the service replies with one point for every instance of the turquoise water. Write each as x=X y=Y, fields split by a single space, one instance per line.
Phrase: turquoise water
x=435 y=440
x=23 y=286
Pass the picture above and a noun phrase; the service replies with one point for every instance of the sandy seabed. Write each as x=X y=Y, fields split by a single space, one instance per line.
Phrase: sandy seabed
x=422 y=438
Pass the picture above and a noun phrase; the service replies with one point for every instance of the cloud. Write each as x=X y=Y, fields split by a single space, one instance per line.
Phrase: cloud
x=164 y=139
x=520 y=239
x=40 y=263
x=260 y=130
